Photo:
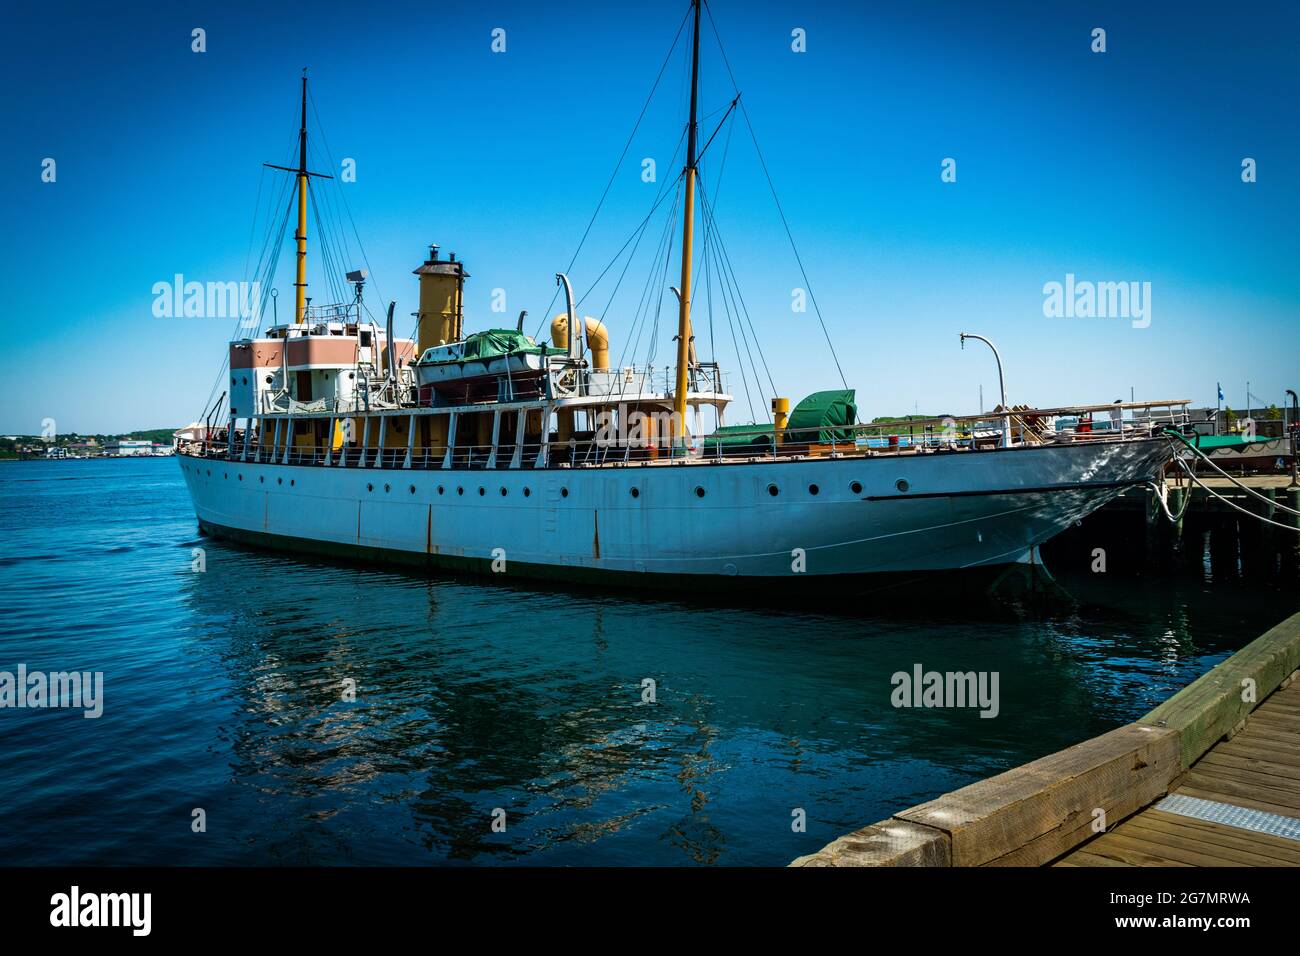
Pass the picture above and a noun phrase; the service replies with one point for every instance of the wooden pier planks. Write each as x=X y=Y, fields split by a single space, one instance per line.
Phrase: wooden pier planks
x=1258 y=769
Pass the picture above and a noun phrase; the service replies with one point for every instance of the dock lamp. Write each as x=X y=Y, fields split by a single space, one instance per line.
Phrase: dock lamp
x=1002 y=385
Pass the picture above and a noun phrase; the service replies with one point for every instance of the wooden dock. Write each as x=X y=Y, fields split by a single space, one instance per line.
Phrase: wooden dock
x=1211 y=777
x=1252 y=780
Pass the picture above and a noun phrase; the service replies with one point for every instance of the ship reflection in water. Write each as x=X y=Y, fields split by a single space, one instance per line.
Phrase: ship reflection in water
x=600 y=728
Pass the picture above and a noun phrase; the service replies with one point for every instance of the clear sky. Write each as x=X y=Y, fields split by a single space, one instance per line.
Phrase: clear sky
x=1123 y=166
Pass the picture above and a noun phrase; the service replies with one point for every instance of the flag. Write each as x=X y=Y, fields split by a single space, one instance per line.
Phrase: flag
x=1220 y=391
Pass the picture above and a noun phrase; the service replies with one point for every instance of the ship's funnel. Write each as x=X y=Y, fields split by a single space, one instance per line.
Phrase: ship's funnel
x=597 y=338
x=441 y=317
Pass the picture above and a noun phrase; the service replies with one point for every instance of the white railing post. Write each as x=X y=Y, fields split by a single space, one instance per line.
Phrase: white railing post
x=451 y=439
x=521 y=421
x=410 y=441
x=496 y=431
x=288 y=440
x=544 y=443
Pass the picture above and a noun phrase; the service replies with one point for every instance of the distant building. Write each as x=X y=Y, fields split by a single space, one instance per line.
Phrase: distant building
x=129 y=448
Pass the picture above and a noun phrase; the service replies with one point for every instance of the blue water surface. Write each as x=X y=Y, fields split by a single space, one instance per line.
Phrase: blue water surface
x=224 y=690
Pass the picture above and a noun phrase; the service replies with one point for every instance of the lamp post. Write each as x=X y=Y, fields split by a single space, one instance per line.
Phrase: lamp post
x=1002 y=385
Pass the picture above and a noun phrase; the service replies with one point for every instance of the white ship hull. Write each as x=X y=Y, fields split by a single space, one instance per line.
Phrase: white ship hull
x=880 y=515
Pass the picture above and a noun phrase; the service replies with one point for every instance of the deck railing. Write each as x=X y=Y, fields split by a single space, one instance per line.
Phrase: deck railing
x=955 y=434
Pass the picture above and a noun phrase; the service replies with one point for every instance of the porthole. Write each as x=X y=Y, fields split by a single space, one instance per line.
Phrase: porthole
x=481 y=491
x=856 y=487
x=269 y=380
x=441 y=489
x=240 y=477
x=527 y=492
x=411 y=489
x=503 y=491
x=388 y=488
x=279 y=481
x=261 y=479
x=370 y=487
x=564 y=492
x=225 y=475
x=460 y=490
x=699 y=491
x=773 y=490
x=902 y=484
x=636 y=492
x=813 y=490
x=292 y=482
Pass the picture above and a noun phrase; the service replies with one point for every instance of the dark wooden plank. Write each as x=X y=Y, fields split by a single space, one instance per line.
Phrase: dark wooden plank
x=1084 y=858
x=1199 y=855
x=1126 y=851
x=1210 y=842
x=1286 y=852
x=1271 y=772
x=1243 y=784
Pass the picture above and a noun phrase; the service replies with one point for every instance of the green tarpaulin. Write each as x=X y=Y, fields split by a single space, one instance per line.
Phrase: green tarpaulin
x=827 y=412
x=738 y=437
x=497 y=342
x=1226 y=441
x=822 y=410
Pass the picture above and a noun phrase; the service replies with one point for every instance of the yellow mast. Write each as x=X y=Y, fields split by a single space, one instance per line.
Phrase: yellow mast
x=300 y=312
x=300 y=237
x=684 y=311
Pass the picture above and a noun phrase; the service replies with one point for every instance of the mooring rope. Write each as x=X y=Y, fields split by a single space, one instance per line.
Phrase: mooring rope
x=1246 y=488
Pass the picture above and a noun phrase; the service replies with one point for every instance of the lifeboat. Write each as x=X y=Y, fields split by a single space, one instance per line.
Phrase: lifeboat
x=490 y=366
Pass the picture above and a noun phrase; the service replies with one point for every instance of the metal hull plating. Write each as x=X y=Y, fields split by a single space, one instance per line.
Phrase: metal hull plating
x=828 y=517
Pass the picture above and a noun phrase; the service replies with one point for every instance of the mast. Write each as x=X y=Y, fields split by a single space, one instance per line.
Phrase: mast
x=688 y=226
x=300 y=312
x=302 y=174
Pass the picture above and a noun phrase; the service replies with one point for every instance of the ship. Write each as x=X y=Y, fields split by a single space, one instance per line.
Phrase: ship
x=497 y=452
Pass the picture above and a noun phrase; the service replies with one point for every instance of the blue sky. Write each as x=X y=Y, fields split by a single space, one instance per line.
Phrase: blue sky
x=1122 y=166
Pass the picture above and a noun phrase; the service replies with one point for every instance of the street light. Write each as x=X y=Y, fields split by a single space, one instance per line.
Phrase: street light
x=1002 y=385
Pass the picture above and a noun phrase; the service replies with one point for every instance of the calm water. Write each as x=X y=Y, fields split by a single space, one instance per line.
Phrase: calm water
x=223 y=690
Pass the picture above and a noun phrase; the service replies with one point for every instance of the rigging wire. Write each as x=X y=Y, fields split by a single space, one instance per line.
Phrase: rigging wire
x=772 y=188
x=618 y=165
x=347 y=208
